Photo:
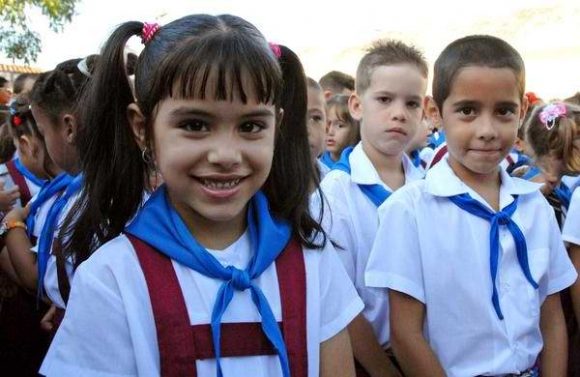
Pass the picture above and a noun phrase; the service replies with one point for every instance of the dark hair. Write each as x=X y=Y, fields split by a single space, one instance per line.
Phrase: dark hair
x=561 y=141
x=387 y=53
x=178 y=62
x=3 y=81
x=340 y=103
x=18 y=84
x=21 y=122
x=575 y=99
x=58 y=91
x=478 y=51
x=336 y=82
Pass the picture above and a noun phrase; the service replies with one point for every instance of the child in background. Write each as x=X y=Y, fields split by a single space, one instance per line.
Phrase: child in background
x=418 y=150
x=390 y=87
x=484 y=300
x=335 y=82
x=316 y=122
x=342 y=130
x=553 y=131
x=226 y=249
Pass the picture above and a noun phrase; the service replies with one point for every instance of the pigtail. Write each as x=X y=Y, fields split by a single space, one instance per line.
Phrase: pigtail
x=569 y=130
x=293 y=175
x=114 y=173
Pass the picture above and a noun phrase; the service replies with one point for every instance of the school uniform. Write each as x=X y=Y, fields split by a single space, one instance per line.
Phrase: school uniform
x=571 y=229
x=440 y=254
x=323 y=169
x=110 y=328
x=13 y=173
x=353 y=223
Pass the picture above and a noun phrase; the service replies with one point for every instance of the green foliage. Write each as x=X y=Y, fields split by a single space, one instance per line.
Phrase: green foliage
x=17 y=39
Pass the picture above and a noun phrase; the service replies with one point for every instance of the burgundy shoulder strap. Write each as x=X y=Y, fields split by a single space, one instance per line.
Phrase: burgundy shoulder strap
x=438 y=156
x=61 y=274
x=20 y=181
x=180 y=343
x=174 y=332
x=291 y=271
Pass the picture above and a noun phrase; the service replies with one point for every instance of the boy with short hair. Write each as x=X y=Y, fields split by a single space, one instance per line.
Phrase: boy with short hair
x=390 y=89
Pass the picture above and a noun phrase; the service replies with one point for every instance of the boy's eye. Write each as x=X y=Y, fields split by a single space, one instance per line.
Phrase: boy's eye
x=467 y=111
x=384 y=99
x=251 y=127
x=506 y=111
x=194 y=125
x=413 y=104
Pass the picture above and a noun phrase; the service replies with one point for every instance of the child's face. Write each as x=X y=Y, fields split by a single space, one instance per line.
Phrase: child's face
x=213 y=156
x=339 y=134
x=390 y=110
x=419 y=141
x=316 y=121
x=480 y=117
x=58 y=138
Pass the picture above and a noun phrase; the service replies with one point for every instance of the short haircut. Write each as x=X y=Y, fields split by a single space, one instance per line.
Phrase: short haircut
x=475 y=51
x=387 y=52
x=312 y=84
x=336 y=82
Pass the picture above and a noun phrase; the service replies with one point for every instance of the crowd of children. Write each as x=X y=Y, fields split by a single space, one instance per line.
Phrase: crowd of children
x=205 y=208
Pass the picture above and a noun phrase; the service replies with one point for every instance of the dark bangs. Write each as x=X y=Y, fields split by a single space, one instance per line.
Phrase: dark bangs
x=218 y=65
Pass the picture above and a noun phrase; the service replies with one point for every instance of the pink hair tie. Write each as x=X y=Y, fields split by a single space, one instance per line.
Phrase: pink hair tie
x=148 y=32
x=551 y=113
x=276 y=50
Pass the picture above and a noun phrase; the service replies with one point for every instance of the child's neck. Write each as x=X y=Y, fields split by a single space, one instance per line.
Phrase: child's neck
x=335 y=156
x=486 y=185
x=389 y=167
x=215 y=235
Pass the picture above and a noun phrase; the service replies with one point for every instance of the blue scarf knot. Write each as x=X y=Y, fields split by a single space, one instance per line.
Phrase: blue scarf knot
x=47 y=191
x=503 y=217
x=159 y=224
x=375 y=192
x=240 y=278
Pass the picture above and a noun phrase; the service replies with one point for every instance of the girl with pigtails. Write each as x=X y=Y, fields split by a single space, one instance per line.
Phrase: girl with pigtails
x=222 y=270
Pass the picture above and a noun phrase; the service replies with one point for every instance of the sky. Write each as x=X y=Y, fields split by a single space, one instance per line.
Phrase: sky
x=332 y=35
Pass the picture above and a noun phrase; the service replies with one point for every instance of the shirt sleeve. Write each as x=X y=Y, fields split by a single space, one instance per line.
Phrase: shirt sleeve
x=94 y=338
x=395 y=259
x=339 y=301
x=571 y=229
x=338 y=224
x=561 y=271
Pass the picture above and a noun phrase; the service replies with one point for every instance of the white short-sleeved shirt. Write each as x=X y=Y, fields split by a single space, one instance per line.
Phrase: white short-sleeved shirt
x=432 y=250
x=322 y=168
x=109 y=329
x=571 y=228
x=353 y=223
x=9 y=183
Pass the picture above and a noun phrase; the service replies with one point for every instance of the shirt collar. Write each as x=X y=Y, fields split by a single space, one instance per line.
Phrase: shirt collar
x=442 y=181
x=363 y=171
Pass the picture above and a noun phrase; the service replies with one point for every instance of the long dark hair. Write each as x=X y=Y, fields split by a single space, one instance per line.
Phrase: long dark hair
x=178 y=62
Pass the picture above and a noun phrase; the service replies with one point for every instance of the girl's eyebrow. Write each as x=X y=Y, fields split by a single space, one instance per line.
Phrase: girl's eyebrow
x=189 y=111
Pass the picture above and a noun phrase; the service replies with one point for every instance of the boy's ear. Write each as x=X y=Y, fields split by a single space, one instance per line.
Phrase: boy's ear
x=327 y=95
x=524 y=109
x=137 y=123
x=355 y=107
x=70 y=127
x=432 y=111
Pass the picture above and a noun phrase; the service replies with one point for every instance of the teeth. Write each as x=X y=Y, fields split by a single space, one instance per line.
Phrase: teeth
x=220 y=185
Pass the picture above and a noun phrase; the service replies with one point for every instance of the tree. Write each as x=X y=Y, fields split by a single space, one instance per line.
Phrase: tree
x=17 y=39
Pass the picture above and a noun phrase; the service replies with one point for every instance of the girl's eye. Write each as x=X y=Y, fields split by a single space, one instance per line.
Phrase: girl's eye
x=315 y=118
x=251 y=127
x=195 y=125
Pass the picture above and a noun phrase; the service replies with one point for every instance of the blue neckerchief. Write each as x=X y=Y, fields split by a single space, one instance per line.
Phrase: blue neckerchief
x=503 y=217
x=416 y=158
x=436 y=139
x=47 y=234
x=327 y=160
x=158 y=224
x=47 y=191
x=564 y=194
x=375 y=192
x=28 y=174
x=533 y=172
x=521 y=161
